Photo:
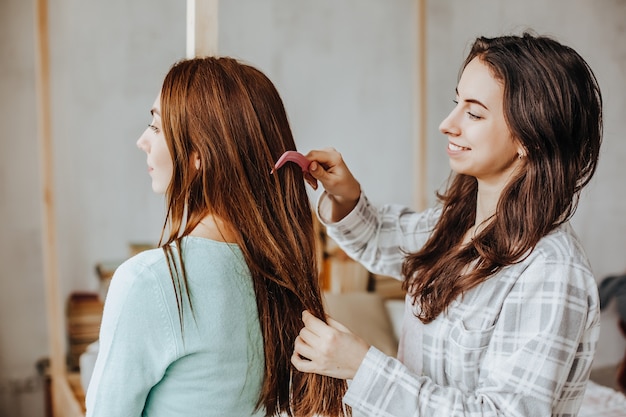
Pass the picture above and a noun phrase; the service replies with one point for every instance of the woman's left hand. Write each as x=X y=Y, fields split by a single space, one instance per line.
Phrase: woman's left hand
x=328 y=349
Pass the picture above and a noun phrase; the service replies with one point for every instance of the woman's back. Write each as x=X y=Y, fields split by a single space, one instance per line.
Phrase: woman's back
x=213 y=367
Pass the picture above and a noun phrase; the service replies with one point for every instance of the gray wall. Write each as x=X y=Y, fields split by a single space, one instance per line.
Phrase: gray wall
x=345 y=71
x=22 y=325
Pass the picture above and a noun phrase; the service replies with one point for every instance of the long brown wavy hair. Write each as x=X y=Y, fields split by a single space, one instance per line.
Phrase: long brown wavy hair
x=553 y=107
x=230 y=115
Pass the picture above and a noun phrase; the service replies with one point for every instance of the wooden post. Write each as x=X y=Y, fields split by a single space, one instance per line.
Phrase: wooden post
x=50 y=265
x=59 y=387
x=421 y=113
x=201 y=27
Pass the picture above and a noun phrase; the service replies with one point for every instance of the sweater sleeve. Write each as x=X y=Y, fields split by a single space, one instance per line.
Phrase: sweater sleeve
x=137 y=343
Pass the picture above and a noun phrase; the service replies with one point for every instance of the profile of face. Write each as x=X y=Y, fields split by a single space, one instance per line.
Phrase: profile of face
x=480 y=143
x=159 y=159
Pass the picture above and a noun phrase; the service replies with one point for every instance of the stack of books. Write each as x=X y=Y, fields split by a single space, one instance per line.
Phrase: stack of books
x=84 y=315
x=388 y=287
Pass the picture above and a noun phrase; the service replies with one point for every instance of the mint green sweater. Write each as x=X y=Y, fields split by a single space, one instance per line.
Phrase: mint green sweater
x=147 y=367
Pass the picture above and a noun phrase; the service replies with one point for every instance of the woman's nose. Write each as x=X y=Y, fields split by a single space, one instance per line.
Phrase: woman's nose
x=142 y=142
x=448 y=125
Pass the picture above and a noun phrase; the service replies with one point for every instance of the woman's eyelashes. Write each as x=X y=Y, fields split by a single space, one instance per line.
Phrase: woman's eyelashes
x=154 y=128
x=471 y=115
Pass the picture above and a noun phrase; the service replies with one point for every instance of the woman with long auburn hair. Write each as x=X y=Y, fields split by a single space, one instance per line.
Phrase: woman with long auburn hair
x=204 y=325
x=502 y=313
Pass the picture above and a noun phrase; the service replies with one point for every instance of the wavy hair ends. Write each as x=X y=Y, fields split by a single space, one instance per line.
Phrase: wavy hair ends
x=553 y=107
x=229 y=117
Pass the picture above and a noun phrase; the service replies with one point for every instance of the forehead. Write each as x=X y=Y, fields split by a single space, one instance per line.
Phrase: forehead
x=478 y=82
x=156 y=107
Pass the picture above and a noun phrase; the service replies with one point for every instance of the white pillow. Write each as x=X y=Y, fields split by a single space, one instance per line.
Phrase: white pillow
x=365 y=314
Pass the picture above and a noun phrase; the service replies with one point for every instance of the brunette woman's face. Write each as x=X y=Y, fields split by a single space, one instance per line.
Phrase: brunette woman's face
x=152 y=142
x=480 y=143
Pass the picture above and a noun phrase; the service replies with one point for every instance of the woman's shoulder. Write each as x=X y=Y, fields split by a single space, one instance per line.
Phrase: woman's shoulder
x=136 y=290
x=559 y=257
x=562 y=244
x=144 y=273
x=559 y=267
x=195 y=249
x=146 y=260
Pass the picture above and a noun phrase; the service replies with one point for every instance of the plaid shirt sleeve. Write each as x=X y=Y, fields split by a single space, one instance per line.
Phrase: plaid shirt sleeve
x=378 y=239
x=519 y=344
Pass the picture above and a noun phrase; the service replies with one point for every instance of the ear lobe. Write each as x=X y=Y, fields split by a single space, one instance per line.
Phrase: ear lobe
x=196 y=161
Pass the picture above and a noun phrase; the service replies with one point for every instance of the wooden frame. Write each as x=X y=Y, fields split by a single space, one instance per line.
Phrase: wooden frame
x=421 y=108
x=61 y=394
x=202 y=19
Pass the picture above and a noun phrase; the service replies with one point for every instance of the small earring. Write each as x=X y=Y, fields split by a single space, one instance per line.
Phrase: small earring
x=520 y=155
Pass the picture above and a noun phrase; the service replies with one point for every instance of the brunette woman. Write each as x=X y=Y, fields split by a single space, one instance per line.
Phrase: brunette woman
x=502 y=313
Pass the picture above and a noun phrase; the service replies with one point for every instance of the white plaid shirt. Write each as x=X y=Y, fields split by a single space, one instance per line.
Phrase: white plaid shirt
x=519 y=344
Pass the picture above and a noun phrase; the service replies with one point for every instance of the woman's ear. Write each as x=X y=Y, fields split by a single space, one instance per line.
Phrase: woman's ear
x=196 y=160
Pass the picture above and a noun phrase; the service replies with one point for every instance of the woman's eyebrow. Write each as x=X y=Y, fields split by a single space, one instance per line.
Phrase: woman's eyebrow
x=154 y=111
x=472 y=100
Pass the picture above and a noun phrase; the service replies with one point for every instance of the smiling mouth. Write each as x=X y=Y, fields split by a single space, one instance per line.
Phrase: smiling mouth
x=454 y=147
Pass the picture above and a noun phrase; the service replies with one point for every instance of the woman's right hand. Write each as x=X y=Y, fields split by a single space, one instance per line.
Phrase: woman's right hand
x=328 y=349
x=329 y=168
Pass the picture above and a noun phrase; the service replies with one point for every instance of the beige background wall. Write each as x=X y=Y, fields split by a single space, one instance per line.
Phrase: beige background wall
x=346 y=73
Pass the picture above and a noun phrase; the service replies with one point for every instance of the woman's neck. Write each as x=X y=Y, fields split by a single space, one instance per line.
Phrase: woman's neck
x=486 y=202
x=488 y=195
x=215 y=228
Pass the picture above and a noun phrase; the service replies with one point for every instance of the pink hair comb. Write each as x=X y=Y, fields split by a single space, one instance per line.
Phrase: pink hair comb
x=292 y=156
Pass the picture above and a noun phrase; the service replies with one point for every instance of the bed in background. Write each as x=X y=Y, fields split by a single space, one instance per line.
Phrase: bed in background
x=601 y=401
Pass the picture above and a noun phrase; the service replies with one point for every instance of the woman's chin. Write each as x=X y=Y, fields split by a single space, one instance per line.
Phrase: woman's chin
x=158 y=189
